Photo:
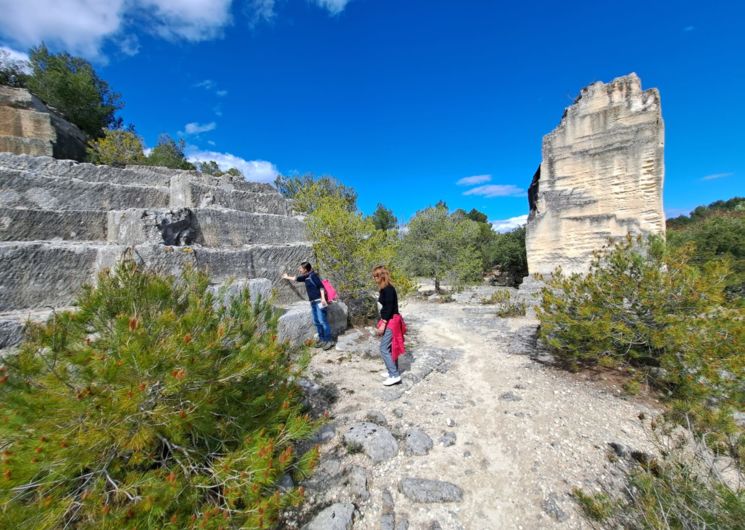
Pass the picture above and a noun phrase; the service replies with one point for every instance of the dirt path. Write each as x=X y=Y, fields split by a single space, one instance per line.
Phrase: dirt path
x=525 y=433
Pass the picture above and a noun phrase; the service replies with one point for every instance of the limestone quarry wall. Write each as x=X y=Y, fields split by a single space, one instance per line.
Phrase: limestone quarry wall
x=27 y=126
x=601 y=176
x=62 y=222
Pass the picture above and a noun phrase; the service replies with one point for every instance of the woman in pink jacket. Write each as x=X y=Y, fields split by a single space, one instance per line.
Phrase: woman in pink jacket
x=391 y=326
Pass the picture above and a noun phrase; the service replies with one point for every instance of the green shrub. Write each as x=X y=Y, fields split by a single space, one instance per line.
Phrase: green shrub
x=150 y=407
x=717 y=232
x=644 y=305
x=506 y=307
x=169 y=153
x=117 y=148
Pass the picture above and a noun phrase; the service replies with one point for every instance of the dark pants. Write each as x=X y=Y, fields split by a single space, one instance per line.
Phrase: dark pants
x=320 y=319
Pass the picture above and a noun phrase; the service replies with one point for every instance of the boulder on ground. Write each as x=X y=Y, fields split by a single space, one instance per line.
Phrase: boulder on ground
x=296 y=325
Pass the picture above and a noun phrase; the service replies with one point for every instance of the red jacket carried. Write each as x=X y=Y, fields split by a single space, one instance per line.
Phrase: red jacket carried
x=398 y=328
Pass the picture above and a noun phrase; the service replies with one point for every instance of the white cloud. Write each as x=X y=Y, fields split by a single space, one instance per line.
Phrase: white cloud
x=211 y=86
x=81 y=27
x=689 y=28
x=253 y=170
x=496 y=190
x=198 y=128
x=333 y=6
x=715 y=176
x=266 y=10
x=261 y=11
x=207 y=84
x=472 y=181
x=192 y=20
x=130 y=45
x=14 y=55
x=507 y=225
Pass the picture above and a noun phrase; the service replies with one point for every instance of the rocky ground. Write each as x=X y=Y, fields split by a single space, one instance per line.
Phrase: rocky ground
x=483 y=432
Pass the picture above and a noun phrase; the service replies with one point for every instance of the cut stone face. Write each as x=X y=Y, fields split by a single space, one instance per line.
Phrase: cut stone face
x=27 y=126
x=601 y=176
x=62 y=222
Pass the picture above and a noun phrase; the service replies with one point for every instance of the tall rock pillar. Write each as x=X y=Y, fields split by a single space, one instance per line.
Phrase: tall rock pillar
x=600 y=177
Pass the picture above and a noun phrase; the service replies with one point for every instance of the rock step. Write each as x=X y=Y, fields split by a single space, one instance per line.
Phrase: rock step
x=31 y=225
x=37 y=274
x=212 y=227
x=13 y=323
x=25 y=189
x=133 y=175
x=189 y=193
x=20 y=189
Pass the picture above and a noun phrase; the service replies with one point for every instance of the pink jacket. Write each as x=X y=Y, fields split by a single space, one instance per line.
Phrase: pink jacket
x=398 y=328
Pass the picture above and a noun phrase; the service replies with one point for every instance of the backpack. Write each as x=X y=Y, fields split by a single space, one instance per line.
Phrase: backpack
x=330 y=291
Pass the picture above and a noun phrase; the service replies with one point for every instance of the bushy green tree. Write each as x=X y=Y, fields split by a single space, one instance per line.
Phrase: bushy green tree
x=71 y=85
x=308 y=193
x=210 y=167
x=507 y=251
x=13 y=73
x=717 y=231
x=117 y=148
x=151 y=407
x=169 y=153
x=441 y=246
x=347 y=246
x=383 y=218
x=646 y=307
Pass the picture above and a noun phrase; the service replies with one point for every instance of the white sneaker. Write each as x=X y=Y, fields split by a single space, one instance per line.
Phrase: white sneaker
x=384 y=375
x=392 y=381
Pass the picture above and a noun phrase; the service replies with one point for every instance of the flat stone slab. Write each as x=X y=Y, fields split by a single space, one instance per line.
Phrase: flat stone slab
x=429 y=491
x=20 y=189
x=374 y=440
x=339 y=516
x=30 y=225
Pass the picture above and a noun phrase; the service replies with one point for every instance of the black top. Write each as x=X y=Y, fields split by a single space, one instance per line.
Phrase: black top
x=389 y=300
x=312 y=284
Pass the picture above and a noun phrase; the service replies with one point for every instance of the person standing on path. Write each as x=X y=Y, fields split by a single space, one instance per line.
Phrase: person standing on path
x=391 y=327
x=318 y=302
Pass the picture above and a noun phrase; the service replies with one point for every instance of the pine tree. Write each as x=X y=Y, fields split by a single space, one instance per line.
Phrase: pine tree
x=151 y=407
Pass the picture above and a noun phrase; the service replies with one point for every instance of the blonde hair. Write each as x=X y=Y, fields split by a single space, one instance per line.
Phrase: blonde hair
x=382 y=276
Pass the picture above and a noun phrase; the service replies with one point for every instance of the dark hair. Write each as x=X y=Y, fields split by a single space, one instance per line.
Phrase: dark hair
x=306 y=266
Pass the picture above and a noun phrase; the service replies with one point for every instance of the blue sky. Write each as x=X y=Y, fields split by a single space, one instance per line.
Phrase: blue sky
x=402 y=99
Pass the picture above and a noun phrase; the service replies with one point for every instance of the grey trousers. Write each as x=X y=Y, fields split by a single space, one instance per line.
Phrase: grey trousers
x=387 y=354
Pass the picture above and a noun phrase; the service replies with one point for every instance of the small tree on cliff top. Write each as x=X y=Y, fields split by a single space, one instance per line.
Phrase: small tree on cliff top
x=71 y=85
x=117 y=148
x=308 y=193
x=149 y=407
